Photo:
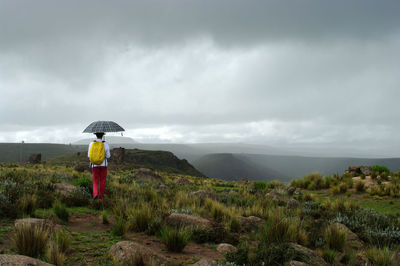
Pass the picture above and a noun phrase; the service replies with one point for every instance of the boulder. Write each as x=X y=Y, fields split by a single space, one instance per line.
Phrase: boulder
x=118 y=155
x=35 y=158
x=6 y=259
x=250 y=223
x=180 y=219
x=225 y=248
x=182 y=181
x=64 y=188
x=293 y=204
x=314 y=258
x=48 y=224
x=126 y=252
x=144 y=174
x=297 y=263
x=203 y=194
x=205 y=262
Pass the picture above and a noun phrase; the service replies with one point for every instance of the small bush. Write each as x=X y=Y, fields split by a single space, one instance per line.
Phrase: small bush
x=380 y=169
x=260 y=186
x=175 y=239
x=335 y=190
x=120 y=227
x=85 y=183
x=60 y=211
x=140 y=218
x=335 y=237
x=241 y=256
x=380 y=257
x=360 y=187
x=154 y=227
x=30 y=240
x=343 y=187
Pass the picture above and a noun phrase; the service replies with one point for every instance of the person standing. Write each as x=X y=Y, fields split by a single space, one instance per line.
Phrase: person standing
x=98 y=153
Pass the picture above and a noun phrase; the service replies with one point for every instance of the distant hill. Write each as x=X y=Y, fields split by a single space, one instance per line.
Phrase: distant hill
x=262 y=167
x=19 y=152
x=234 y=167
x=112 y=140
x=134 y=159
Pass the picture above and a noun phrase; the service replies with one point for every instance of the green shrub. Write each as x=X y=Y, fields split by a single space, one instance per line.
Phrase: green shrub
x=380 y=257
x=241 y=256
x=260 y=186
x=335 y=190
x=360 y=187
x=85 y=183
x=140 y=218
x=60 y=211
x=335 y=237
x=175 y=239
x=380 y=169
x=30 y=240
x=120 y=227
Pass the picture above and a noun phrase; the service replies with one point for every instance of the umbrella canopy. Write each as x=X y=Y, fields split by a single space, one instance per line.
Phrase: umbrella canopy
x=103 y=126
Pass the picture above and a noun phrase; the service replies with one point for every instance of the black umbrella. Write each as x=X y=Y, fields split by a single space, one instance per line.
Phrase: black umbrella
x=103 y=126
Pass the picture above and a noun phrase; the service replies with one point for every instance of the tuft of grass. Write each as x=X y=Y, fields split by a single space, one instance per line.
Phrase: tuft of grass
x=329 y=255
x=63 y=240
x=140 y=218
x=360 y=187
x=54 y=255
x=30 y=240
x=335 y=237
x=104 y=218
x=175 y=239
x=60 y=210
x=27 y=204
x=380 y=257
x=120 y=227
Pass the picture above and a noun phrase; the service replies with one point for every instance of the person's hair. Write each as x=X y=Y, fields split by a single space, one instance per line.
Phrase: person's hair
x=99 y=135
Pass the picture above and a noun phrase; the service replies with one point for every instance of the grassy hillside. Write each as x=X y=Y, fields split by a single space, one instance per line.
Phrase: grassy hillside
x=317 y=220
x=134 y=159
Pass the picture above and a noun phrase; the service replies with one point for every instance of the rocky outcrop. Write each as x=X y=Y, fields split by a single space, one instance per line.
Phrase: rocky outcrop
x=118 y=155
x=48 y=224
x=147 y=175
x=180 y=219
x=64 y=188
x=6 y=259
x=126 y=252
x=225 y=248
x=366 y=170
x=35 y=158
x=250 y=223
x=203 y=194
x=291 y=191
x=205 y=262
x=314 y=259
x=182 y=181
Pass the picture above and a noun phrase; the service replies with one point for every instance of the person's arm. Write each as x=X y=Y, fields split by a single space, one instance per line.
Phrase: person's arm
x=107 y=147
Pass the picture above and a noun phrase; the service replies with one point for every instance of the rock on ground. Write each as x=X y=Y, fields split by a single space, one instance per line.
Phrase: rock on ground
x=8 y=260
x=203 y=194
x=205 y=262
x=225 y=248
x=180 y=219
x=144 y=174
x=250 y=223
x=297 y=263
x=313 y=256
x=48 y=224
x=125 y=252
x=64 y=188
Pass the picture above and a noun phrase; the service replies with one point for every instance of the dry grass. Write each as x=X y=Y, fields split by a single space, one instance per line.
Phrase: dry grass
x=30 y=240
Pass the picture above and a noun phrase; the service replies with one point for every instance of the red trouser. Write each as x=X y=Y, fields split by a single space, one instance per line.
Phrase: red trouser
x=99 y=173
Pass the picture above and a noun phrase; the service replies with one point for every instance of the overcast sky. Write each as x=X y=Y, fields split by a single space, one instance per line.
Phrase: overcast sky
x=280 y=73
